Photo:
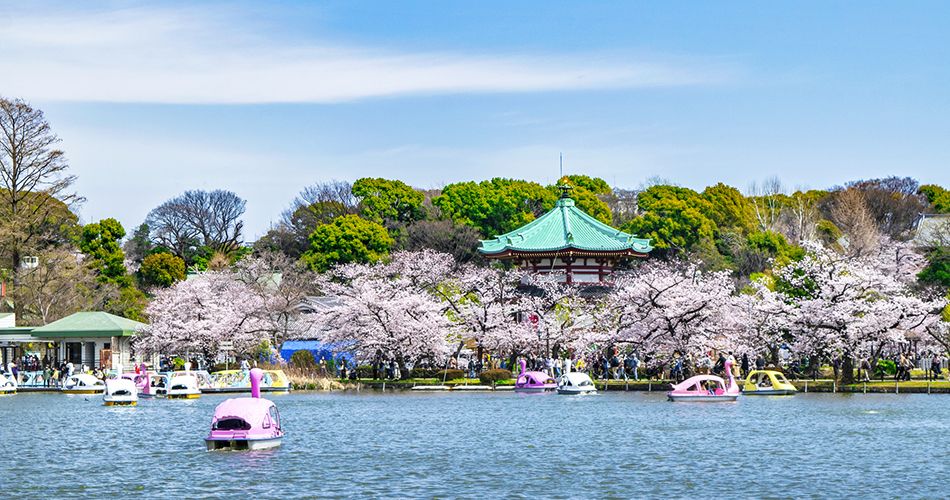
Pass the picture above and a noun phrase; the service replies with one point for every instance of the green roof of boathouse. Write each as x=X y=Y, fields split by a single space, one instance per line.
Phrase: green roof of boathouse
x=89 y=324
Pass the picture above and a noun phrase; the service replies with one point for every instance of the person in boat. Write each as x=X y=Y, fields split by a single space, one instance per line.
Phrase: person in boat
x=766 y=381
x=720 y=364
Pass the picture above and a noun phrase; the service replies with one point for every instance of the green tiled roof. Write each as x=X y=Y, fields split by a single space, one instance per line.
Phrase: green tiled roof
x=566 y=226
x=89 y=324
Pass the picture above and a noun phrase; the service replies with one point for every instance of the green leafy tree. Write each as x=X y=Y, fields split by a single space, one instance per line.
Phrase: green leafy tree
x=595 y=185
x=728 y=208
x=346 y=239
x=162 y=269
x=138 y=246
x=772 y=243
x=938 y=271
x=674 y=217
x=100 y=242
x=386 y=200
x=115 y=290
x=497 y=206
x=938 y=197
x=828 y=233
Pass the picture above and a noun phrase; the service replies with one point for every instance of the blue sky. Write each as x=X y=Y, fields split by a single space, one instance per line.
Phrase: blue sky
x=265 y=98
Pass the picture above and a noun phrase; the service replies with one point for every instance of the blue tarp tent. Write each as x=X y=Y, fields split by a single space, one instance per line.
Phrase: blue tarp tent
x=319 y=350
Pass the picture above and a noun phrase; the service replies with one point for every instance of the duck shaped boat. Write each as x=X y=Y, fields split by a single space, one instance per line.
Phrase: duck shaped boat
x=767 y=383
x=83 y=383
x=575 y=383
x=706 y=388
x=7 y=385
x=120 y=392
x=246 y=423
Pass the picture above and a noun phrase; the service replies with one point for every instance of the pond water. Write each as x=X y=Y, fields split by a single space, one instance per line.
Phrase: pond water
x=405 y=444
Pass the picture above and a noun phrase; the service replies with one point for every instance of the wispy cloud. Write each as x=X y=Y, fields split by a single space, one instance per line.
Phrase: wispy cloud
x=192 y=56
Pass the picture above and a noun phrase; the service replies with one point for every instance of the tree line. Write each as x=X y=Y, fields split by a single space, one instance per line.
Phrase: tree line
x=54 y=265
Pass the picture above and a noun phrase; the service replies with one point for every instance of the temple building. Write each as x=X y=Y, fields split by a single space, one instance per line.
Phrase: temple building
x=567 y=239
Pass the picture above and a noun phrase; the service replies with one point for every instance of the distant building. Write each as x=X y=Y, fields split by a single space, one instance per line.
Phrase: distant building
x=567 y=239
x=933 y=230
x=94 y=339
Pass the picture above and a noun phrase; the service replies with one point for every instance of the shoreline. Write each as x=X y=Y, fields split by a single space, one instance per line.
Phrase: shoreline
x=820 y=385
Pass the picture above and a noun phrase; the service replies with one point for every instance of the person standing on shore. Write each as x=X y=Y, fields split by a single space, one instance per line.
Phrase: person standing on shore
x=866 y=368
x=759 y=362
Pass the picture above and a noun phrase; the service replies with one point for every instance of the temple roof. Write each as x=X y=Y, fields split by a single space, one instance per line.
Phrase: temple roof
x=565 y=227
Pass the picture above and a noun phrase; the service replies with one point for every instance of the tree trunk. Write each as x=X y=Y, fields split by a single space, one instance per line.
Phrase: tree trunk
x=403 y=372
x=847 y=370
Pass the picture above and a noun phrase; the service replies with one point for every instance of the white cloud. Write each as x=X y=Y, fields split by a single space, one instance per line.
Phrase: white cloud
x=191 y=56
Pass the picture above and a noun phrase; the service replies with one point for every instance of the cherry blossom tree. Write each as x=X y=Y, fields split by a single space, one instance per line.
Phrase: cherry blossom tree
x=200 y=313
x=389 y=309
x=281 y=283
x=672 y=306
x=899 y=260
x=480 y=301
x=758 y=317
x=841 y=305
x=552 y=313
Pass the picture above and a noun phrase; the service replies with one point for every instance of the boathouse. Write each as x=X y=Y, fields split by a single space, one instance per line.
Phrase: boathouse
x=94 y=339
x=568 y=240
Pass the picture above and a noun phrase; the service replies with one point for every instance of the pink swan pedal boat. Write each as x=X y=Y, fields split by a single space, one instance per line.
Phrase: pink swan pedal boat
x=706 y=388
x=246 y=423
x=535 y=382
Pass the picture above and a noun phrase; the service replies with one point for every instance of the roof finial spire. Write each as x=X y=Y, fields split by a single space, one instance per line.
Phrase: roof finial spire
x=565 y=190
x=565 y=187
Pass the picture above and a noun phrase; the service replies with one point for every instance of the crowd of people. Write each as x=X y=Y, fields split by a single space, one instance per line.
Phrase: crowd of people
x=43 y=372
x=611 y=364
x=614 y=364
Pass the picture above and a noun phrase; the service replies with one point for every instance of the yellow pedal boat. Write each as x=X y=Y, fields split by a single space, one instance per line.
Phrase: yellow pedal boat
x=767 y=383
